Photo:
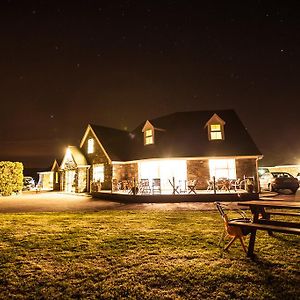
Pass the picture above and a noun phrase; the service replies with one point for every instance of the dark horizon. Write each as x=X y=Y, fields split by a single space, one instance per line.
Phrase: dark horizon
x=64 y=66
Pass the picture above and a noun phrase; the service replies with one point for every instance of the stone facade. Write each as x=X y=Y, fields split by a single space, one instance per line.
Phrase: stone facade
x=198 y=169
x=81 y=184
x=247 y=168
x=98 y=157
x=125 y=171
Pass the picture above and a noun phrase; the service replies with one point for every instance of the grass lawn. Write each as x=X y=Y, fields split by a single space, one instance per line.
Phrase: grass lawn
x=139 y=255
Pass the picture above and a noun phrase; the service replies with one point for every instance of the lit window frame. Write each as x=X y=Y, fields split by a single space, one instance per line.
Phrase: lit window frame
x=216 y=132
x=98 y=173
x=222 y=168
x=90 y=146
x=149 y=136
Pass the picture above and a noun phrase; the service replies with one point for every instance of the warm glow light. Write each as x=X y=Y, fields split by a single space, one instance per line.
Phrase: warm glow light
x=149 y=137
x=98 y=172
x=165 y=170
x=216 y=135
x=215 y=127
x=90 y=148
x=215 y=132
x=222 y=168
x=68 y=154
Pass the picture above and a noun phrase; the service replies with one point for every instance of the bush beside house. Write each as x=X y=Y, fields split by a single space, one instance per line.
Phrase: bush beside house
x=11 y=177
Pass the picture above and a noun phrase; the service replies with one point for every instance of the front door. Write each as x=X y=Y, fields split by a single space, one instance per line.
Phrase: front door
x=70 y=181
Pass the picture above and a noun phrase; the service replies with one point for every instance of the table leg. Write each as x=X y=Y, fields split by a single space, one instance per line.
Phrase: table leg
x=250 y=252
x=255 y=212
x=267 y=216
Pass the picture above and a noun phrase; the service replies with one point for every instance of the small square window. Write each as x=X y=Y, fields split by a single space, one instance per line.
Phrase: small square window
x=215 y=127
x=216 y=135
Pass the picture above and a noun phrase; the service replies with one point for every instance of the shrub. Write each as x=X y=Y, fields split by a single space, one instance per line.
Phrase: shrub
x=11 y=177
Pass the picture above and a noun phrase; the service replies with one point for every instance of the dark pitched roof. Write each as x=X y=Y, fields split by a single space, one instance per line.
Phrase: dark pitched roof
x=184 y=135
x=116 y=142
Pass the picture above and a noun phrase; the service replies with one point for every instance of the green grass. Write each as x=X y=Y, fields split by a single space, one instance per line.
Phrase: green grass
x=139 y=255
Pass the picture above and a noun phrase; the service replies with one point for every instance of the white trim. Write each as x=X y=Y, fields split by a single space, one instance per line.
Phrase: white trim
x=215 y=118
x=64 y=159
x=187 y=158
x=147 y=125
x=54 y=164
x=89 y=128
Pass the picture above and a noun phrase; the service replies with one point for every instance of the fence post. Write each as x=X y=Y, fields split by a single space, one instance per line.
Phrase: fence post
x=134 y=186
x=214 y=184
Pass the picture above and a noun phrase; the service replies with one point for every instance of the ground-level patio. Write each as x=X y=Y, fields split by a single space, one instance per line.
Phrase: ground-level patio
x=197 y=196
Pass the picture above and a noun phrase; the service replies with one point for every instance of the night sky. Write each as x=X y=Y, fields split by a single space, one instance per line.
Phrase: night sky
x=65 y=64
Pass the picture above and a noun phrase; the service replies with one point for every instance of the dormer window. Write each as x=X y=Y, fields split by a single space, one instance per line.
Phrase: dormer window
x=148 y=131
x=149 y=137
x=90 y=147
x=215 y=127
x=216 y=132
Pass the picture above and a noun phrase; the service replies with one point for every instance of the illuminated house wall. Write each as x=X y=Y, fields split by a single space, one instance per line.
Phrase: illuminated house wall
x=95 y=158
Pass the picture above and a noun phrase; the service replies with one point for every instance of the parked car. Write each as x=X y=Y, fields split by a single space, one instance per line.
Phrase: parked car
x=275 y=181
x=28 y=183
x=298 y=177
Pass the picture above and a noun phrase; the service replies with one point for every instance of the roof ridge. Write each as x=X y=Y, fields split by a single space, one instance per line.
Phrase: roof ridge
x=107 y=127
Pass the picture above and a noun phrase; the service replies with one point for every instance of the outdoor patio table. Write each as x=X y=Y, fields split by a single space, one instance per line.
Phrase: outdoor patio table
x=262 y=219
x=174 y=186
x=223 y=184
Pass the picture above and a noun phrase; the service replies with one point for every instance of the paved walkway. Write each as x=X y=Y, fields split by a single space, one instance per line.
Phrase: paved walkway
x=62 y=202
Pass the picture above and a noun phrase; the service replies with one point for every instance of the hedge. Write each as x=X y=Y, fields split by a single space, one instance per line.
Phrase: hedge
x=11 y=177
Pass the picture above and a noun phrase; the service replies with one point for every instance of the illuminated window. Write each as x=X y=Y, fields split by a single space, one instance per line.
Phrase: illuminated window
x=98 y=172
x=149 y=137
x=222 y=168
x=56 y=177
x=90 y=146
x=165 y=170
x=216 y=132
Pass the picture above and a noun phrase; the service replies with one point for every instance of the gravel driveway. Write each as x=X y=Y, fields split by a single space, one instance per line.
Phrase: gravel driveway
x=62 y=202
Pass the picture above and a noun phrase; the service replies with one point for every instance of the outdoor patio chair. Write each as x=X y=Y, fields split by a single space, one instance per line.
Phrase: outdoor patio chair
x=192 y=186
x=223 y=184
x=210 y=185
x=156 y=188
x=235 y=184
x=116 y=186
x=234 y=232
x=144 y=186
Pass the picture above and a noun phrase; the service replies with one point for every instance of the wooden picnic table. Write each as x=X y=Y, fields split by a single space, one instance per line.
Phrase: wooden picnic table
x=262 y=218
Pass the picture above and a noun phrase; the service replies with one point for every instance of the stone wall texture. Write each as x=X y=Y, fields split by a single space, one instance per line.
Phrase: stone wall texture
x=98 y=157
x=198 y=169
x=125 y=171
x=247 y=168
x=81 y=186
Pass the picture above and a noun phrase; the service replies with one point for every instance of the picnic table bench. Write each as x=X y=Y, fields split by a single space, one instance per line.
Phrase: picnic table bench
x=262 y=219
